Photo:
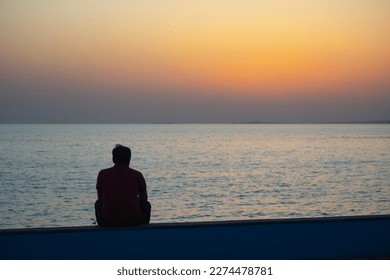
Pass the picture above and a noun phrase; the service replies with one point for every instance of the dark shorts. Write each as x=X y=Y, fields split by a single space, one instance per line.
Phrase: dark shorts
x=146 y=209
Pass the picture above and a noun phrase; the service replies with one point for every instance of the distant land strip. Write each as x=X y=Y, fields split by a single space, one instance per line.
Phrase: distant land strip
x=348 y=122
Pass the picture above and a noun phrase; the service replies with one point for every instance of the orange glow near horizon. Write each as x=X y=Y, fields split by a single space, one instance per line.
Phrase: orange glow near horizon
x=245 y=47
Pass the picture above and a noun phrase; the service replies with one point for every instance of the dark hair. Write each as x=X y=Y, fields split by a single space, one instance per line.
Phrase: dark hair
x=121 y=155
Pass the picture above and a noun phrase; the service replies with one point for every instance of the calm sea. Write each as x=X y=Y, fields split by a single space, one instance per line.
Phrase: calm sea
x=197 y=172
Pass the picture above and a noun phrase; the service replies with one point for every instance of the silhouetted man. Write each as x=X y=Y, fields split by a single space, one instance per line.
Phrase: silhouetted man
x=122 y=197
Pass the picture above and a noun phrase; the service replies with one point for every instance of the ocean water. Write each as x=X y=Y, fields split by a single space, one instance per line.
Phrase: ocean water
x=197 y=172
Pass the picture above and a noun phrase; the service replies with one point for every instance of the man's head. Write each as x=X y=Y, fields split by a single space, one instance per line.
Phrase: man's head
x=121 y=155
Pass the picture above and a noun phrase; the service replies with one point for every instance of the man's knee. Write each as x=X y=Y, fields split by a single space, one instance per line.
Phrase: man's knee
x=146 y=206
x=98 y=206
x=146 y=209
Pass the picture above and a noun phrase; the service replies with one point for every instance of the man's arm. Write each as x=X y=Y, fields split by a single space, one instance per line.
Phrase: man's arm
x=99 y=186
x=143 y=195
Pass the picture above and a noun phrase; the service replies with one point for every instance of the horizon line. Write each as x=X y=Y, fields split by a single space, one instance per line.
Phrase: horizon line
x=242 y=122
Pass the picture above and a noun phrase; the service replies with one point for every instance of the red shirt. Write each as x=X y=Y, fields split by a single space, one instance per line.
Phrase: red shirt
x=120 y=189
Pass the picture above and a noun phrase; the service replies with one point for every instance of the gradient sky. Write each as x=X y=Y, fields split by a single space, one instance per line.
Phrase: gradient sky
x=95 y=61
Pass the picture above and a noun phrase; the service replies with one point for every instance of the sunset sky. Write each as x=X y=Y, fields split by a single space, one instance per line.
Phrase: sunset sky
x=95 y=61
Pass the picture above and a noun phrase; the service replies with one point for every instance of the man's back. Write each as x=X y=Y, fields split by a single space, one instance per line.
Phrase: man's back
x=121 y=190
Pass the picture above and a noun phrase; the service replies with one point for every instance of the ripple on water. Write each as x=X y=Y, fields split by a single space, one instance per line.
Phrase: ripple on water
x=197 y=172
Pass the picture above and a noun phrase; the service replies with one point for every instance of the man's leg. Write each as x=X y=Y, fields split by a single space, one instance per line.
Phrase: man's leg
x=98 y=206
x=146 y=209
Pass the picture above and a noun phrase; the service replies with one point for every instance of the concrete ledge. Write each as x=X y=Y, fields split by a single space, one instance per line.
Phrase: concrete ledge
x=230 y=223
x=352 y=237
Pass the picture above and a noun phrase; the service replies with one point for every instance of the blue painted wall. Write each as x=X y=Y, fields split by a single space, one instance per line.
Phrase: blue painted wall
x=364 y=237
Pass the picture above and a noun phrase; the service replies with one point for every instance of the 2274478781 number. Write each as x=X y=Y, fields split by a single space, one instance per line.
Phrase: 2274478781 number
x=242 y=270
